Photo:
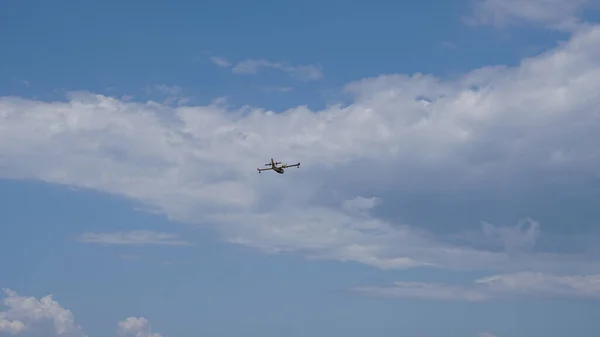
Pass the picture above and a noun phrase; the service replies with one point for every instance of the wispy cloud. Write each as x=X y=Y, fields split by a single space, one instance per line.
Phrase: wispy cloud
x=21 y=81
x=278 y=89
x=136 y=237
x=168 y=94
x=518 y=285
x=555 y=14
x=514 y=239
x=486 y=334
x=360 y=204
x=129 y=257
x=251 y=67
x=448 y=44
x=220 y=61
x=307 y=73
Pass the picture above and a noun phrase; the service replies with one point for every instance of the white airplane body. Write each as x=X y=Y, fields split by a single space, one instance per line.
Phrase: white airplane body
x=274 y=167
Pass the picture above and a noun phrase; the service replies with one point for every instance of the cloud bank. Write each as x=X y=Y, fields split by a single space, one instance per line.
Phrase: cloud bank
x=493 y=130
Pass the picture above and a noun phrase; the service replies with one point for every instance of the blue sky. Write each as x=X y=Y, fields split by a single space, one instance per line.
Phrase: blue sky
x=448 y=183
x=122 y=48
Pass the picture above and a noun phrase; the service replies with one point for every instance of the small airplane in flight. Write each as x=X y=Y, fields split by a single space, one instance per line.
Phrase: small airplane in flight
x=275 y=168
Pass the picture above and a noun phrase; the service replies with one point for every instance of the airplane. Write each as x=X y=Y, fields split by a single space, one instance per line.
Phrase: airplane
x=273 y=167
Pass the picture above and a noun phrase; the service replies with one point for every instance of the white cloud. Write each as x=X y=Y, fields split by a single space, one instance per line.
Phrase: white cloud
x=220 y=61
x=518 y=285
x=11 y=327
x=251 y=67
x=28 y=316
x=557 y=14
x=136 y=237
x=136 y=327
x=306 y=72
x=492 y=130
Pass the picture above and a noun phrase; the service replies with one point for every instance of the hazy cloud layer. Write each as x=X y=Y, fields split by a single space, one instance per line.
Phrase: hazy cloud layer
x=520 y=285
x=251 y=67
x=555 y=14
x=136 y=237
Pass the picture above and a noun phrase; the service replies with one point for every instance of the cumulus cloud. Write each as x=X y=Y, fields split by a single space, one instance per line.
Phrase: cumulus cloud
x=136 y=327
x=251 y=67
x=11 y=327
x=557 y=14
x=136 y=237
x=489 y=131
x=518 y=285
x=29 y=316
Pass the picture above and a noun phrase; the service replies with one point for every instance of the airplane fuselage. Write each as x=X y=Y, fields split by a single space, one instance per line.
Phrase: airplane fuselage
x=274 y=167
